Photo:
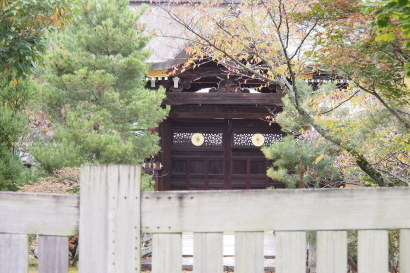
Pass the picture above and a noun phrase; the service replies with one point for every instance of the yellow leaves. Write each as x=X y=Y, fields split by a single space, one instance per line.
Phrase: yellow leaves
x=319 y=158
x=356 y=100
x=281 y=70
x=55 y=18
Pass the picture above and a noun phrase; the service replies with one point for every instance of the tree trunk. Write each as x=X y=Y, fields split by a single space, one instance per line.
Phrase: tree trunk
x=301 y=173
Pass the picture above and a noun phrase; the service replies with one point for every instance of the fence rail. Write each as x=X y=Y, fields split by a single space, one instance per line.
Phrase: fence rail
x=111 y=213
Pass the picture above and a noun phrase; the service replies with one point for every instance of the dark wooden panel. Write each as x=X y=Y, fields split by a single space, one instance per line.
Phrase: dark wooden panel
x=196 y=149
x=225 y=166
x=196 y=121
x=258 y=167
x=181 y=98
x=216 y=167
x=243 y=125
x=219 y=112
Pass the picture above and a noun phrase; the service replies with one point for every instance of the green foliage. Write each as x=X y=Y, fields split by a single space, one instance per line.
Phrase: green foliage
x=299 y=162
x=11 y=127
x=94 y=91
x=12 y=122
x=147 y=183
x=23 y=24
x=392 y=21
x=10 y=169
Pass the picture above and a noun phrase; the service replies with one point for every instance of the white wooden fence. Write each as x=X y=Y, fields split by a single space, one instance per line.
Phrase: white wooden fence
x=113 y=214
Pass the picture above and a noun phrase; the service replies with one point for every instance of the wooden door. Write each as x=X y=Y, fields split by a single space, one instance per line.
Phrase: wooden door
x=212 y=154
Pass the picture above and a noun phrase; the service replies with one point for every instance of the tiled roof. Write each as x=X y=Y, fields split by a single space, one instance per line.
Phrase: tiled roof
x=166 y=51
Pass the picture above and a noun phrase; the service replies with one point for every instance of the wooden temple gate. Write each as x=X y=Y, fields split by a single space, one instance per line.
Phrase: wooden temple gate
x=111 y=214
x=213 y=135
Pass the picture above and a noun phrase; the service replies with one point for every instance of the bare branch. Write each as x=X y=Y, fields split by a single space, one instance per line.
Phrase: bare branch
x=340 y=104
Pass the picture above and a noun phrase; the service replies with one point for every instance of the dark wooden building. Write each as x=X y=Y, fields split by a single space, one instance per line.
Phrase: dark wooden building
x=213 y=135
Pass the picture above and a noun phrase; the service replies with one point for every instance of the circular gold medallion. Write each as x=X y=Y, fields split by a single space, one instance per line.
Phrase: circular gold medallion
x=197 y=139
x=258 y=140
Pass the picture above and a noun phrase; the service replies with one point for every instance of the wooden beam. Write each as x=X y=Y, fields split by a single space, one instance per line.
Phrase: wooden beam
x=289 y=210
x=219 y=111
x=181 y=98
x=34 y=213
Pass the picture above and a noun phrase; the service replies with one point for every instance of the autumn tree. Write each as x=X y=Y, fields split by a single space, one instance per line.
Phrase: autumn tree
x=23 y=25
x=275 y=40
x=378 y=97
x=93 y=89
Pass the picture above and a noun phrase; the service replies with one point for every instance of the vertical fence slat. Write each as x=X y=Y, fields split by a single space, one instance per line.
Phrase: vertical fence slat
x=124 y=226
x=331 y=252
x=404 y=250
x=13 y=253
x=93 y=220
x=290 y=252
x=167 y=253
x=53 y=254
x=249 y=255
x=110 y=219
x=373 y=252
x=208 y=252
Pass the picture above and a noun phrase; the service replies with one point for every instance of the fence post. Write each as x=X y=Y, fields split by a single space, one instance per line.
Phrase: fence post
x=53 y=254
x=13 y=253
x=110 y=219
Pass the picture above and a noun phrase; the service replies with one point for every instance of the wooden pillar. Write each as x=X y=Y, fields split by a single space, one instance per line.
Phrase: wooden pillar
x=227 y=142
x=110 y=219
x=165 y=132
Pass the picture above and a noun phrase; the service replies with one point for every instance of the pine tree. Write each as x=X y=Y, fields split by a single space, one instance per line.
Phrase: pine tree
x=299 y=163
x=94 y=90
